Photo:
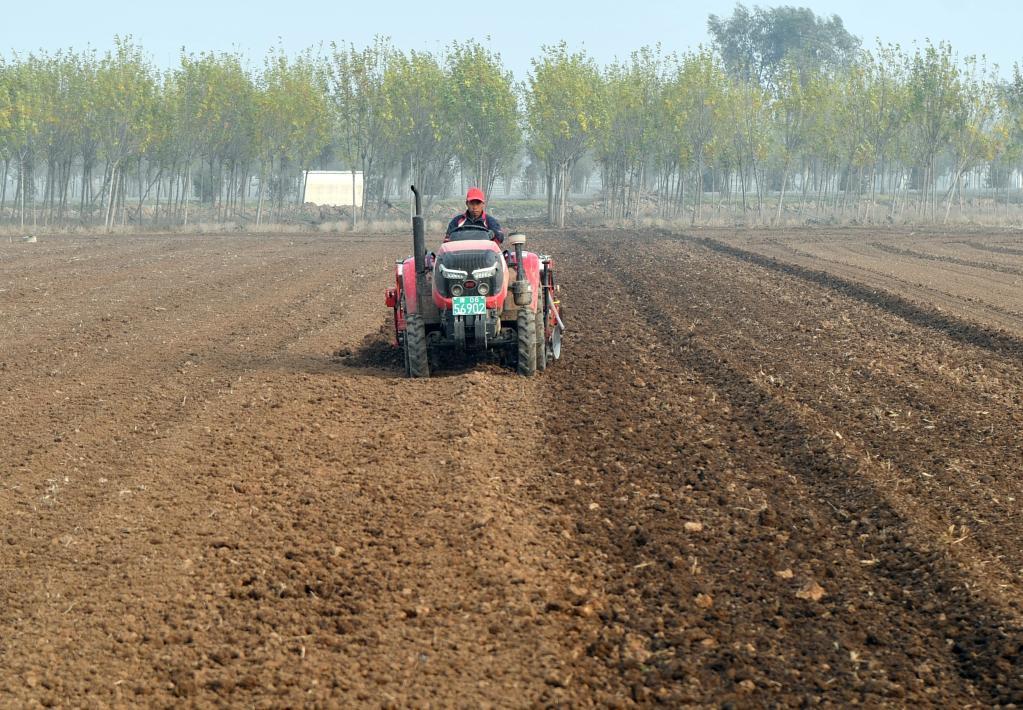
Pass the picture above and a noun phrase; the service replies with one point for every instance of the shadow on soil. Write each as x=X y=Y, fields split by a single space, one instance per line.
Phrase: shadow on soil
x=377 y=355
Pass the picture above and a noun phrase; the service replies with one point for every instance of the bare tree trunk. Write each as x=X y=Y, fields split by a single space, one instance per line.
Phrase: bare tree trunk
x=742 y=184
x=173 y=190
x=21 y=191
x=108 y=194
x=246 y=183
x=3 y=184
x=563 y=178
x=355 y=207
x=109 y=206
x=698 y=197
x=141 y=195
x=950 y=195
x=551 y=179
x=156 y=210
x=895 y=194
x=758 y=181
x=48 y=193
x=934 y=191
x=185 y=192
x=781 y=192
x=259 y=203
x=123 y=201
x=86 y=182
x=65 y=187
x=868 y=212
x=804 y=188
x=682 y=193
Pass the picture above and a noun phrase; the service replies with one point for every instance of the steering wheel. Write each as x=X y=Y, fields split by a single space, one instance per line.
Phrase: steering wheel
x=470 y=231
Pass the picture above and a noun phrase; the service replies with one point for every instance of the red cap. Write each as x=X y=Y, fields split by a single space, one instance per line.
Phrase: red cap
x=474 y=193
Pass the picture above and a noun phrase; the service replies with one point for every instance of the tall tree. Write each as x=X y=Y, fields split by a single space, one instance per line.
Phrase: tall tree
x=1011 y=128
x=971 y=139
x=483 y=112
x=792 y=111
x=754 y=44
x=27 y=110
x=563 y=112
x=356 y=92
x=936 y=96
x=418 y=125
x=293 y=123
x=125 y=99
x=696 y=107
x=628 y=138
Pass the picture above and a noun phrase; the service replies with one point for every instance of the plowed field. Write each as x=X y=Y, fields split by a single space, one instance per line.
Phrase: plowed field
x=770 y=469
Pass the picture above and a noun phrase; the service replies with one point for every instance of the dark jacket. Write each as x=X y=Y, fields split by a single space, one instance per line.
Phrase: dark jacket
x=485 y=220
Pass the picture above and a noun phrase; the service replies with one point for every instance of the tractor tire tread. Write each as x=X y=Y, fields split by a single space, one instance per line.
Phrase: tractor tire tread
x=525 y=326
x=416 y=349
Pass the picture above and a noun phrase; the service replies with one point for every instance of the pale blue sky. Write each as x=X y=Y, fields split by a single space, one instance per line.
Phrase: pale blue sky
x=517 y=28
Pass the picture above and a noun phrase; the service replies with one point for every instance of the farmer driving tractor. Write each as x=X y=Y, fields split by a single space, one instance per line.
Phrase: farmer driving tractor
x=475 y=216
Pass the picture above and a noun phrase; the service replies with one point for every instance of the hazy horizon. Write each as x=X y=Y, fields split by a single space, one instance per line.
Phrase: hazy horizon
x=518 y=32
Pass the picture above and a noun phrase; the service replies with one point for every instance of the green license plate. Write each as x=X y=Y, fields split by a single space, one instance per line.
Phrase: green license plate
x=468 y=305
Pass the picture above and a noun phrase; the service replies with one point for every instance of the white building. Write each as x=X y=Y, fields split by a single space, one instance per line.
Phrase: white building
x=334 y=188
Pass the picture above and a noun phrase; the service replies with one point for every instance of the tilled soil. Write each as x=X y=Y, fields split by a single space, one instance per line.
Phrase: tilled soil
x=753 y=478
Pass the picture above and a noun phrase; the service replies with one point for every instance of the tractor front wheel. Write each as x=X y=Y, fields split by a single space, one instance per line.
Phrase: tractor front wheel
x=417 y=359
x=525 y=324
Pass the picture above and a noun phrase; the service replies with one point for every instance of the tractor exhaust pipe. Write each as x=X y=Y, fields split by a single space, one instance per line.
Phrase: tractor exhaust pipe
x=419 y=250
x=419 y=234
x=521 y=289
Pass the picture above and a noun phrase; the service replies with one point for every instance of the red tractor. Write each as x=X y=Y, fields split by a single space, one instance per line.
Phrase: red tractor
x=472 y=296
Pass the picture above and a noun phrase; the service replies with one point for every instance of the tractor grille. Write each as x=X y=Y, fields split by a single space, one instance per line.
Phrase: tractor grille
x=468 y=261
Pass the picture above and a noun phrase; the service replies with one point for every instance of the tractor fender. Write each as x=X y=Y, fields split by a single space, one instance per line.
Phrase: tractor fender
x=406 y=278
x=531 y=269
x=531 y=266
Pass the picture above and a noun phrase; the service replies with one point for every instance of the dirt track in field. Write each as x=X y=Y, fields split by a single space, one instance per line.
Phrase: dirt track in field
x=770 y=469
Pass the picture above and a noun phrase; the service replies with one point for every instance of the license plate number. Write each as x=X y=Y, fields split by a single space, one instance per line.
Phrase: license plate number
x=468 y=305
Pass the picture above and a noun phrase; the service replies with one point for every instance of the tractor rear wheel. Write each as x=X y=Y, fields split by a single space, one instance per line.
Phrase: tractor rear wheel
x=417 y=360
x=541 y=340
x=525 y=324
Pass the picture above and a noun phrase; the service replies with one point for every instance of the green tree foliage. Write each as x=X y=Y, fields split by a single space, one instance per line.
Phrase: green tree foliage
x=971 y=139
x=1008 y=154
x=757 y=45
x=563 y=112
x=483 y=112
x=292 y=120
x=356 y=93
x=217 y=120
x=107 y=139
x=793 y=110
x=417 y=125
x=126 y=92
x=25 y=108
x=696 y=108
x=936 y=102
x=880 y=92
x=627 y=140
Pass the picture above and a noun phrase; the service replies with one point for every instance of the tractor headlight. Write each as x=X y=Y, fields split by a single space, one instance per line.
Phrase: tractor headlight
x=453 y=273
x=456 y=289
x=485 y=273
x=482 y=288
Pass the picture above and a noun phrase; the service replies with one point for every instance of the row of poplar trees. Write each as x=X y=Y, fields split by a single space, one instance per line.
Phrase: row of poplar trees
x=748 y=128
